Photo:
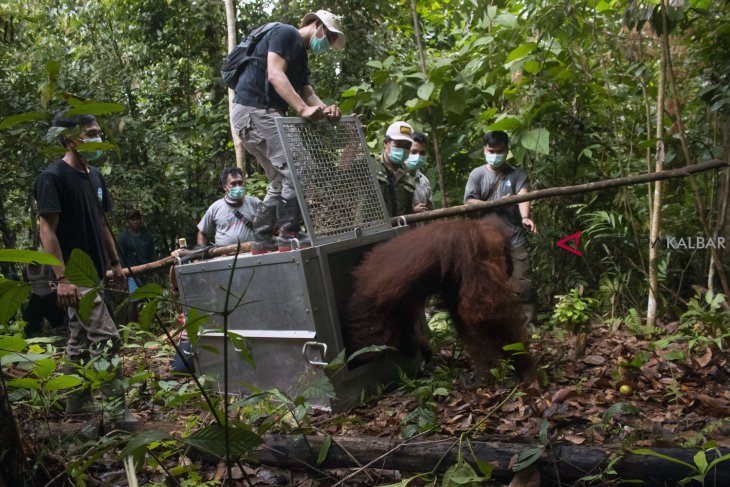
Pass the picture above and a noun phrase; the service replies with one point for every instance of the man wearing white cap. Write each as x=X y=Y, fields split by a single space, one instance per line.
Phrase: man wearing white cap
x=276 y=78
x=396 y=182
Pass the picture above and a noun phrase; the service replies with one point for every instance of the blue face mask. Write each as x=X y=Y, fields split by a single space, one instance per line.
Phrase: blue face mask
x=93 y=154
x=397 y=155
x=236 y=193
x=495 y=159
x=319 y=45
x=415 y=161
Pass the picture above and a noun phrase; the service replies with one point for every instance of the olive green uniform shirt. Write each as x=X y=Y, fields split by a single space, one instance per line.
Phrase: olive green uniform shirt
x=397 y=188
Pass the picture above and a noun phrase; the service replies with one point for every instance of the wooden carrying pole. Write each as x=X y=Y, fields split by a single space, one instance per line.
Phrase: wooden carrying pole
x=140 y=270
x=464 y=209
x=560 y=191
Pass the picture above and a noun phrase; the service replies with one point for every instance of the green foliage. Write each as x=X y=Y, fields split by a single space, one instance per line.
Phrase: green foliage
x=212 y=439
x=572 y=310
x=700 y=466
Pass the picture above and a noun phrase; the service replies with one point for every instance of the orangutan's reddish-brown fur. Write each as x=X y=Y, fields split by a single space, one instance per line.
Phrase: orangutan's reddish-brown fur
x=466 y=263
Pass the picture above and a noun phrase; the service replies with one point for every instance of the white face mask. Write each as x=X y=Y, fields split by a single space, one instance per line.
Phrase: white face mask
x=90 y=155
x=495 y=159
x=415 y=161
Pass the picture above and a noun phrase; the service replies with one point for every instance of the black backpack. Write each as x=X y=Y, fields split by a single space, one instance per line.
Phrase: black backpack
x=236 y=60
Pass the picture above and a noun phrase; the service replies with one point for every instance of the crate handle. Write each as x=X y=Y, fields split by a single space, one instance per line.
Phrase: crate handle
x=312 y=345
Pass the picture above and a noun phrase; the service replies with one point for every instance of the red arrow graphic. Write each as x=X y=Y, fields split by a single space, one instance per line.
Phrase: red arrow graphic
x=562 y=243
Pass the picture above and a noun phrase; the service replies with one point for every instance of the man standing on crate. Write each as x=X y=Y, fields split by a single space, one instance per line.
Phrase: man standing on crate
x=274 y=78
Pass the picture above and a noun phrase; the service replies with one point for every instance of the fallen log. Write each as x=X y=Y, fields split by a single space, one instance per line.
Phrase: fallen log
x=561 y=464
x=560 y=191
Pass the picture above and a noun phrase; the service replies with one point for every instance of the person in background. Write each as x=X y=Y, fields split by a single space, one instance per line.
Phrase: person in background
x=72 y=199
x=494 y=180
x=136 y=247
x=396 y=183
x=422 y=198
x=230 y=219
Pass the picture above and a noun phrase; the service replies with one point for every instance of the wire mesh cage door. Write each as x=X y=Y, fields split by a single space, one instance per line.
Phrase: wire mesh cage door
x=334 y=177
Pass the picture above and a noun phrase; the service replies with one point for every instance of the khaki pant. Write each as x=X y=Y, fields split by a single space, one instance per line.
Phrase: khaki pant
x=88 y=338
x=257 y=129
x=521 y=281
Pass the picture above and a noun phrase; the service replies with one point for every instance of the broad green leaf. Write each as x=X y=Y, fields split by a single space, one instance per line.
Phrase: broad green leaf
x=619 y=408
x=24 y=383
x=521 y=51
x=53 y=67
x=23 y=117
x=403 y=483
x=369 y=349
x=95 y=108
x=700 y=460
x=211 y=439
x=319 y=388
x=425 y=90
x=27 y=257
x=324 y=449
x=241 y=345
x=11 y=343
x=452 y=99
x=147 y=314
x=391 y=92
x=532 y=66
x=527 y=457
x=486 y=468
x=537 y=140
x=151 y=290
x=17 y=358
x=543 y=433
x=460 y=474
x=193 y=321
x=62 y=382
x=80 y=269
x=506 y=124
x=652 y=453
x=44 y=368
x=86 y=304
x=140 y=442
x=12 y=295
x=514 y=347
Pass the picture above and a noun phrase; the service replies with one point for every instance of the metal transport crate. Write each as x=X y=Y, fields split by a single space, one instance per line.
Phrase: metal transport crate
x=290 y=313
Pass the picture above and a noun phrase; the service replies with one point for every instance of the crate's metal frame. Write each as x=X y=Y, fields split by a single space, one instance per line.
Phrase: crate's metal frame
x=292 y=322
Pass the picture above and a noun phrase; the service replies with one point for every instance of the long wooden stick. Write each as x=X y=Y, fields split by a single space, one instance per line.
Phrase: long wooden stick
x=560 y=191
x=464 y=209
x=140 y=270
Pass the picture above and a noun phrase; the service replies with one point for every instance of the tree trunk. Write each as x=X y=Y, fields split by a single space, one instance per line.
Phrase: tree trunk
x=562 y=464
x=656 y=206
x=231 y=27
x=429 y=111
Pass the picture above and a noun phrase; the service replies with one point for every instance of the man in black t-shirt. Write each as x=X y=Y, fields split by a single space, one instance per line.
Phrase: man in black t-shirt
x=72 y=197
x=276 y=78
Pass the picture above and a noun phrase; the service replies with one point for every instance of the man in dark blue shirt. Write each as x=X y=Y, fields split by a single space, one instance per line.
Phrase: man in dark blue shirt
x=276 y=78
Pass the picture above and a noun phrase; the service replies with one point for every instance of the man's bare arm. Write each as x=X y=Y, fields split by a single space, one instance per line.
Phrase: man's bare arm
x=49 y=241
x=276 y=66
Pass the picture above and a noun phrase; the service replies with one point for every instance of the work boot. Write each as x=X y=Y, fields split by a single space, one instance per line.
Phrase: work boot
x=263 y=227
x=290 y=218
x=80 y=401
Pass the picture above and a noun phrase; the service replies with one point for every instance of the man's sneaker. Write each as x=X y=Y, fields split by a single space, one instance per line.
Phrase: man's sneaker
x=258 y=248
x=293 y=241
